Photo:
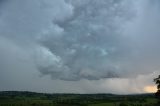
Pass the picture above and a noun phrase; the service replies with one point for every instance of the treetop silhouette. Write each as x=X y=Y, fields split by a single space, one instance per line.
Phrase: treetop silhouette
x=157 y=82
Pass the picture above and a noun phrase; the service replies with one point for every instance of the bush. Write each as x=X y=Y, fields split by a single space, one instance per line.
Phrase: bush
x=123 y=104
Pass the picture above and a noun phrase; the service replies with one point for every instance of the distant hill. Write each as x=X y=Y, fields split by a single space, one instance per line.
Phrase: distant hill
x=28 y=93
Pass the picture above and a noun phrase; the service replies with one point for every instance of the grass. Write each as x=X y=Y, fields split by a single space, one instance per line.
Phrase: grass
x=103 y=104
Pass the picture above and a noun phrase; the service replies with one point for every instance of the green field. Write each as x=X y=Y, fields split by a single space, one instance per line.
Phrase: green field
x=13 y=98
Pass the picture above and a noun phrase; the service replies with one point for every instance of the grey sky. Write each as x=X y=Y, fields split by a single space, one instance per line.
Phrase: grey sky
x=81 y=46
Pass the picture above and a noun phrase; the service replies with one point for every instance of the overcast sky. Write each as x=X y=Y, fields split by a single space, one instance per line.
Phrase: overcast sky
x=79 y=46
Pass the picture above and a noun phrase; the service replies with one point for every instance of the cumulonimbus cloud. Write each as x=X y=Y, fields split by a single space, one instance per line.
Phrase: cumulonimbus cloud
x=83 y=39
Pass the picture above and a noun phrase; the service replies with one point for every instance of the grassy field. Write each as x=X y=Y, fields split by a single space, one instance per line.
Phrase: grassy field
x=39 y=99
x=103 y=104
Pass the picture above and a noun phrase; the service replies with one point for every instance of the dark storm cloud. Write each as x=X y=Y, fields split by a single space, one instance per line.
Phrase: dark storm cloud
x=82 y=39
x=90 y=41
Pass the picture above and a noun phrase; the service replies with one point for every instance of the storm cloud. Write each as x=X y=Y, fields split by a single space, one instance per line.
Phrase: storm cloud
x=76 y=40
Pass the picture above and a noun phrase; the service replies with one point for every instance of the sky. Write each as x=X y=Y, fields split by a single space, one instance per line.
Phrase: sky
x=79 y=46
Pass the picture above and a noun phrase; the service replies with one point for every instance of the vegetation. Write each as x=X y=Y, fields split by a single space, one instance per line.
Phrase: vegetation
x=157 y=94
x=14 y=98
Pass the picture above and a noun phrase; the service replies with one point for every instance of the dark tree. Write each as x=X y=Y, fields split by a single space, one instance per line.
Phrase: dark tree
x=157 y=82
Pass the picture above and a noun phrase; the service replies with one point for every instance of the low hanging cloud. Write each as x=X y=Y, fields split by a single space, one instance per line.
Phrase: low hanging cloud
x=82 y=39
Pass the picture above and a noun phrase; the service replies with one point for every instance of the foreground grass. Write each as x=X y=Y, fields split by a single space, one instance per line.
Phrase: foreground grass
x=103 y=104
